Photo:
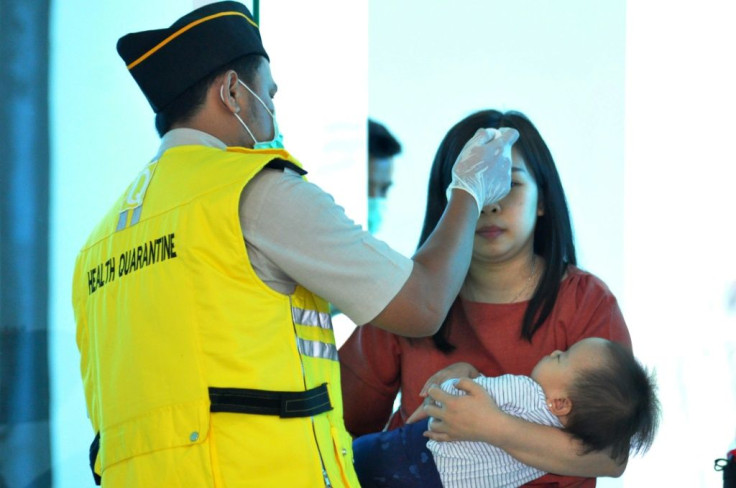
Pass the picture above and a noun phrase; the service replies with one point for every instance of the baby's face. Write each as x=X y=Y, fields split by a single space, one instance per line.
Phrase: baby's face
x=555 y=371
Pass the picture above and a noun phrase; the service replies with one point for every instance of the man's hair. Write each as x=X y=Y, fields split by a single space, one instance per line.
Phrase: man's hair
x=381 y=143
x=615 y=406
x=188 y=103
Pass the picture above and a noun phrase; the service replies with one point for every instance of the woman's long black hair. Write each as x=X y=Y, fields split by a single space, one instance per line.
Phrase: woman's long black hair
x=553 y=239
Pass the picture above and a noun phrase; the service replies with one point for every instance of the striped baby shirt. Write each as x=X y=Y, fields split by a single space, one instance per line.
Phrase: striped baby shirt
x=465 y=464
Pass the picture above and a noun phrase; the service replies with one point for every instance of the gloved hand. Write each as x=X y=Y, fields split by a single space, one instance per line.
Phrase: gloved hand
x=483 y=167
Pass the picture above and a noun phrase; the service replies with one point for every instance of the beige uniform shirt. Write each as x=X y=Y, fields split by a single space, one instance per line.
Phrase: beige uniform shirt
x=296 y=233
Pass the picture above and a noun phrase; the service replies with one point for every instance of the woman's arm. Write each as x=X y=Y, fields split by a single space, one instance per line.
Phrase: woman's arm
x=366 y=409
x=476 y=417
x=552 y=450
x=370 y=372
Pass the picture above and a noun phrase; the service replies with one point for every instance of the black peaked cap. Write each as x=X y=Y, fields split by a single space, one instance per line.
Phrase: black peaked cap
x=165 y=62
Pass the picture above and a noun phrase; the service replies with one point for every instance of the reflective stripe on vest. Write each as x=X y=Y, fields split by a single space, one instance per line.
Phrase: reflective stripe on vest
x=311 y=318
x=313 y=348
x=317 y=349
x=134 y=197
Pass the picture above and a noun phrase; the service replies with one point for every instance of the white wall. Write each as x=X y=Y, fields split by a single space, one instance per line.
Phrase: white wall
x=103 y=133
x=561 y=63
x=679 y=235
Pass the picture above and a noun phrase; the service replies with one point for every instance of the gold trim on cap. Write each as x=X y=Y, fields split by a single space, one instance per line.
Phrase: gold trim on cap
x=181 y=31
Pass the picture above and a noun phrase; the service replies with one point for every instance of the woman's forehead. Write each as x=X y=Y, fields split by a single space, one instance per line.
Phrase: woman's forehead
x=518 y=162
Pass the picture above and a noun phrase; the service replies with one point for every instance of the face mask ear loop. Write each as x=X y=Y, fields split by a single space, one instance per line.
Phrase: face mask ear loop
x=257 y=97
x=255 y=141
x=222 y=97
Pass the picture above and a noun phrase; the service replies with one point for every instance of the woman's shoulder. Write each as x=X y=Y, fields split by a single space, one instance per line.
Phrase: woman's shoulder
x=580 y=286
x=587 y=301
x=582 y=280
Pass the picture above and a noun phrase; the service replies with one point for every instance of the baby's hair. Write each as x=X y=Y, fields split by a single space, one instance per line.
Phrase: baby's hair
x=615 y=406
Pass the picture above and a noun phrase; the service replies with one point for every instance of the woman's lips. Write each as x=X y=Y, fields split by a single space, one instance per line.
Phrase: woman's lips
x=490 y=232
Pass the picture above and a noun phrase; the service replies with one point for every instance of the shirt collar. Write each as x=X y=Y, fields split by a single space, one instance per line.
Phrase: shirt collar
x=188 y=137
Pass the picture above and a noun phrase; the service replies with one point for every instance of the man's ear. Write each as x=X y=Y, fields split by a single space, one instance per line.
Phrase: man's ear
x=559 y=406
x=228 y=92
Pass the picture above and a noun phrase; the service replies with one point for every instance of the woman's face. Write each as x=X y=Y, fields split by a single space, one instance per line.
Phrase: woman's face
x=506 y=229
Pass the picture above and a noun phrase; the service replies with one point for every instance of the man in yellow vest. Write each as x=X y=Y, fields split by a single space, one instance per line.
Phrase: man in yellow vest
x=207 y=352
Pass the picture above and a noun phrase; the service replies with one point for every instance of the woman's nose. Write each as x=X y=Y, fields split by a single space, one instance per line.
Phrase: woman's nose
x=492 y=208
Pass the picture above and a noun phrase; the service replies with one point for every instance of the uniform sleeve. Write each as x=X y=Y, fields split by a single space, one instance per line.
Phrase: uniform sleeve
x=303 y=232
x=371 y=373
x=597 y=313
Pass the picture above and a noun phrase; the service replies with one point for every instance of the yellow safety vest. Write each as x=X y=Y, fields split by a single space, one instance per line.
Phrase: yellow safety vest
x=174 y=328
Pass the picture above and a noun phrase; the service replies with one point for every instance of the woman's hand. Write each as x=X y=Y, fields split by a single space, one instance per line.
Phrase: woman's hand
x=457 y=370
x=462 y=418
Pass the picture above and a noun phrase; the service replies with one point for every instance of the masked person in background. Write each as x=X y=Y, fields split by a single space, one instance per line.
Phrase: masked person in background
x=383 y=147
x=207 y=352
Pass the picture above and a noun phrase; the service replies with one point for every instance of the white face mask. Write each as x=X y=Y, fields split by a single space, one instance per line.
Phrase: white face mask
x=376 y=213
x=278 y=139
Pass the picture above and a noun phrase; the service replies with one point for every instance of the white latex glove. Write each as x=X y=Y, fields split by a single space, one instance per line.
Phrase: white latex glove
x=483 y=167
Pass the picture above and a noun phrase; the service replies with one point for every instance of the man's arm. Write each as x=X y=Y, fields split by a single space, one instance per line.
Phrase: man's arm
x=307 y=239
x=481 y=175
x=440 y=266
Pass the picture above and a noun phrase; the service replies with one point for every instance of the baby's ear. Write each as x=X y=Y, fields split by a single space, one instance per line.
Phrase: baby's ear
x=559 y=406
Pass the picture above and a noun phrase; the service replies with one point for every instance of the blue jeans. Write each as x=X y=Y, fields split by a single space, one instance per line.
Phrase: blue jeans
x=397 y=458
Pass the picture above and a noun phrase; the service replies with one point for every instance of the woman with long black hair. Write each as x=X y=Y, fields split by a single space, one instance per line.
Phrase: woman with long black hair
x=523 y=298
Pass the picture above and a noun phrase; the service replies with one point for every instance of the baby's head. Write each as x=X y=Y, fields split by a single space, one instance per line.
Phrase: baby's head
x=602 y=395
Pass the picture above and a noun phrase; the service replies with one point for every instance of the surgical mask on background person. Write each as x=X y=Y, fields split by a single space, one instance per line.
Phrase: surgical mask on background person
x=278 y=139
x=376 y=213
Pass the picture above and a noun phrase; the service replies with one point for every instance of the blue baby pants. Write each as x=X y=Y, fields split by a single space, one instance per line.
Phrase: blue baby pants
x=397 y=458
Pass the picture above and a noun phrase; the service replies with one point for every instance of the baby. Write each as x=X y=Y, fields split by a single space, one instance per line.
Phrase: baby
x=596 y=391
